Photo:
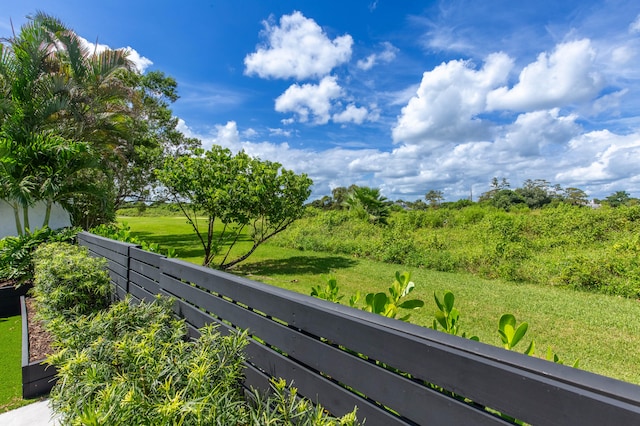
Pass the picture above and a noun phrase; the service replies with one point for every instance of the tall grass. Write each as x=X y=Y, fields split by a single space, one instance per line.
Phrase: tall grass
x=602 y=331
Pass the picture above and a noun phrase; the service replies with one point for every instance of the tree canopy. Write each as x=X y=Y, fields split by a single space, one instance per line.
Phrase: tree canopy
x=237 y=194
x=60 y=95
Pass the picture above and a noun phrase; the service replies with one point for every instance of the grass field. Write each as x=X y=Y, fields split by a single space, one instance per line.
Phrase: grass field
x=603 y=332
x=10 y=367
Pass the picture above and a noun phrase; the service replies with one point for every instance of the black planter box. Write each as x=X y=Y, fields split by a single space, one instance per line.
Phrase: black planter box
x=10 y=300
x=37 y=377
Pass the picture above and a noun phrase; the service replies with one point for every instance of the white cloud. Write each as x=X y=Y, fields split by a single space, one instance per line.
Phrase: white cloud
x=448 y=100
x=533 y=131
x=141 y=63
x=310 y=100
x=386 y=56
x=297 y=48
x=634 y=27
x=595 y=161
x=565 y=76
x=601 y=156
x=249 y=133
x=351 y=114
x=280 y=132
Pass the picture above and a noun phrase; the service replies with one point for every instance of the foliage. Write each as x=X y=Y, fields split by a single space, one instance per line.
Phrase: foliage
x=434 y=197
x=562 y=244
x=240 y=192
x=328 y=292
x=368 y=204
x=283 y=406
x=388 y=304
x=122 y=232
x=16 y=253
x=69 y=282
x=378 y=303
x=111 y=124
x=509 y=333
x=132 y=364
x=447 y=316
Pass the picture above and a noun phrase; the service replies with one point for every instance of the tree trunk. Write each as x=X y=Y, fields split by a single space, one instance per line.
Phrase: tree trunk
x=16 y=215
x=25 y=219
x=47 y=214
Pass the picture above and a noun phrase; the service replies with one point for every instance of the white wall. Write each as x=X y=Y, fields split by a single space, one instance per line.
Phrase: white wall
x=59 y=218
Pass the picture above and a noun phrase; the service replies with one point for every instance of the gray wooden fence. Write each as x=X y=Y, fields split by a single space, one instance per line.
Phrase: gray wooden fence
x=395 y=373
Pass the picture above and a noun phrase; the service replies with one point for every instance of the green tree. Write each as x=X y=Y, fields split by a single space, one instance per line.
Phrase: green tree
x=618 y=198
x=367 y=203
x=575 y=196
x=535 y=193
x=506 y=198
x=496 y=186
x=238 y=192
x=434 y=197
x=53 y=82
x=47 y=169
x=339 y=196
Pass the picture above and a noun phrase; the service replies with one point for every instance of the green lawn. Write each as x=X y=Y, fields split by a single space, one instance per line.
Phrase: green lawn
x=603 y=332
x=10 y=366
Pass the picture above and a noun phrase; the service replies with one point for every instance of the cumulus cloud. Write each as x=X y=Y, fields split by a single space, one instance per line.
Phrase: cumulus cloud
x=297 y=48
x=310 y=100
x=533 y=131
x=141 y=63
x=601 y=156
x=448 y=100
x=351 y=114
x=554 y=80
x=386 y=56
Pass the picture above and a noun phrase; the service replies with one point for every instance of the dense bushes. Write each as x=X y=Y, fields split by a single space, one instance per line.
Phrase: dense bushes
x=16 y=252
x=68 y=282
x=133 y=363
x=591 y=249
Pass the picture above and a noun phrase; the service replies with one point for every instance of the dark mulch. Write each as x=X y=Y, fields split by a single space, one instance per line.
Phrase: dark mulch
x=39 y=339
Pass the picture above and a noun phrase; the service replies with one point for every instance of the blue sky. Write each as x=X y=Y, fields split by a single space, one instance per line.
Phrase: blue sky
x=407 y=96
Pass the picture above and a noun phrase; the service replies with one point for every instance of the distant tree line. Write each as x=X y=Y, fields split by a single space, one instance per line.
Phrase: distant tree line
x=533 y=194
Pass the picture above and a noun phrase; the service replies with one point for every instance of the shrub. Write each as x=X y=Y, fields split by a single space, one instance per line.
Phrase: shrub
x=133 y=365
x=16 y=252
x=68 y=281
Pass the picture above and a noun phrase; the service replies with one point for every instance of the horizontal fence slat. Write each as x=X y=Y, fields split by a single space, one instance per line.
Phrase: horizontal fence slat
x=143 y=282
x=96 y=241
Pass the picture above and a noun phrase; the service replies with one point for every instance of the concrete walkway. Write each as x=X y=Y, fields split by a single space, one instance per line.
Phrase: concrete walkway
x=36 y=414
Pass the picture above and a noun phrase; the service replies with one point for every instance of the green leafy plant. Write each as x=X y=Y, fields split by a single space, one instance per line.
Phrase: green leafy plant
x=378 y=303
x=329 y=291
x=283 y=406
x=388 y=304
x=68 y=281
x=122 y=232
x=16 y=253
x=132 y=364
x=447 y=316
x=511 y=335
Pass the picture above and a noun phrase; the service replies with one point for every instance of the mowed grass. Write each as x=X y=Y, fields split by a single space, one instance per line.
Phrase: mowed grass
x=603 y=332
x=10 y=365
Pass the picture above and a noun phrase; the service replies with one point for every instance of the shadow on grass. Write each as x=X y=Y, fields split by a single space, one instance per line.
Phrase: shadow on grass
x=296 y=265
x=186 y=245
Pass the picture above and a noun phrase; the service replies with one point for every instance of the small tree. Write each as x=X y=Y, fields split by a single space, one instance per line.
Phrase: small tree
x=368 y=203
x=238 y=192
x=618 y=198
x=434 y=197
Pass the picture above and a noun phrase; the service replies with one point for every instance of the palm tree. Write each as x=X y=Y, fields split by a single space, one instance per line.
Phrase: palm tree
x=56 y=93
x=368 y=203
